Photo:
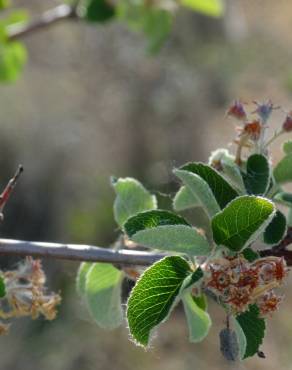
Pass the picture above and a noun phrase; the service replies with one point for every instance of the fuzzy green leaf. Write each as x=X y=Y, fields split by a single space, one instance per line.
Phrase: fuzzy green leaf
x=287 y=147
x=257 y=175
x=253 y=328
x=276 y=230
x=154 y=296
x=81 y=277
x=283 y=170
x=241 y=222
x=212 y=8
x=222 y=191
x=174 y=238
x=201 y=190
x=284 y=198
x=152 y=219
x=241 y=339
x=103 y=295
x=198 y=320
x=231 y=170
x=132 y=198
x=185 y=199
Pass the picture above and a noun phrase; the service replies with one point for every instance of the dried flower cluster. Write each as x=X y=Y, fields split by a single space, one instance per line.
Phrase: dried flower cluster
x=25 y=294
x=239 y=283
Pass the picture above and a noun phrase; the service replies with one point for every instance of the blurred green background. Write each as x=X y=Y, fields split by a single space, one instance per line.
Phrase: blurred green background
x=90 y=104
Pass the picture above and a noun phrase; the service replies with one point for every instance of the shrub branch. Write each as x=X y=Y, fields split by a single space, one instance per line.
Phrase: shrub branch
x=81 y=252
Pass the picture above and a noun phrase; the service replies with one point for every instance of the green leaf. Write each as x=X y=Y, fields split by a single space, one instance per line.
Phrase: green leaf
x=241 y=339
x=153 y=21
x=154 y=296
x=103 y=295
x=81 y=277
x=198 y=320
x=201 y=301
x=12 y=59
x=257 y=177
x=166 y=231
x=289 y=218
x=185 y=199
x=98 y=11
x=174 y=238
x=287 y=147
x=241 y=222
x=192 y=279
x=201 y=190
x=132 y=198
x=222 y=191
x=253 y=328
x=250 y=255
x=212 y=8
x=276 y=229
x=2 y=287
x=152 y=219
x=231 y=170
x=283 y=170
x=284 y=198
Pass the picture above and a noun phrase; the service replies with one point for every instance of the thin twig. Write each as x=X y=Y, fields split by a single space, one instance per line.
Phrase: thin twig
x=78 y=252
x=45 y=20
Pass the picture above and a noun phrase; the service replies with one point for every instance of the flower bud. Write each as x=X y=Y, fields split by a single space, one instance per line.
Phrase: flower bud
x=236 y=110
x=287 y=125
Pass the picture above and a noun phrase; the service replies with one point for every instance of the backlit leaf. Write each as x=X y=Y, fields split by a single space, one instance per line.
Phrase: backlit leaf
x=103 y=295
x=241 y=222
x=154 y=296
x=131 y=199
x=198 y=320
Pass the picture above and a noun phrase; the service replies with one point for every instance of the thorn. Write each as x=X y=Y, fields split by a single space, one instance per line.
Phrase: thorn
x=8 y=189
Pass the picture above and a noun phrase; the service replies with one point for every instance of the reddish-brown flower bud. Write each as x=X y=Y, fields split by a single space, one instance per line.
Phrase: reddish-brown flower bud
x=236 y=110
x=287 y=125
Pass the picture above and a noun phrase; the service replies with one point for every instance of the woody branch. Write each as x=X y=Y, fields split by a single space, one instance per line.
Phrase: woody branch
x=79 y=252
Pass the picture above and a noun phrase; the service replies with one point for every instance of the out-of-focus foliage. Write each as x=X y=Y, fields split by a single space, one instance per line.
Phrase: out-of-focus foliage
x=13 y=54
x=213 y=8
x=151 y=18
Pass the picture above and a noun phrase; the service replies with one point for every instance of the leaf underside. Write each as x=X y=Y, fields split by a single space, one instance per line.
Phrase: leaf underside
x=222 y=191
x=103 y=295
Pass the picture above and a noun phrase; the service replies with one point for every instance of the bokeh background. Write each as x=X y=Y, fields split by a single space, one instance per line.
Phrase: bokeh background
x=91 y=104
